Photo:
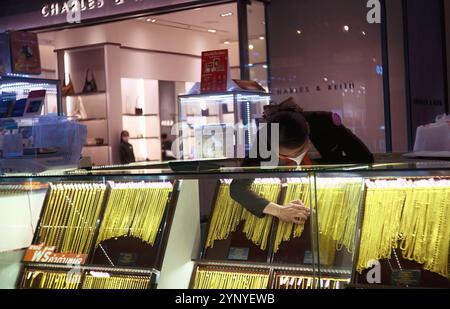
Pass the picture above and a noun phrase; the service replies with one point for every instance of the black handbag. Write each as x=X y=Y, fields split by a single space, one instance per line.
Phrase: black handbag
x=90 y=85
x=138 y=110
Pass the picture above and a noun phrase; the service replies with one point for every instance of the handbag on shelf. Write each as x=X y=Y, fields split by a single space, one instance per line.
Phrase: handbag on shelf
x=90 y=85
x=68 y=89
x=138 y=110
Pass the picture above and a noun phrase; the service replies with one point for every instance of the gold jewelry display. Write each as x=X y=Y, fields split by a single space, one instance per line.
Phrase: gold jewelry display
x=228 y=214
x=34 y=279
x=116 y=282
x=295 y=282
x=412 y=215
x=230 y=279
x=338 y=201
x=136 y=210
x=71 y=214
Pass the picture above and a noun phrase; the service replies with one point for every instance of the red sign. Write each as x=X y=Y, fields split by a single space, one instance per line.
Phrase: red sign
x=26 y=58
x=215 y=71
x=45 y=254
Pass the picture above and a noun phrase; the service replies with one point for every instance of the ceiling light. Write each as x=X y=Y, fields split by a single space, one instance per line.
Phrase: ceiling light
x=153 y=20
x=363 y=33
x=346 y=28
x=251 y=47
x=261 y=38
x=299 y=31
x=212 y=30
x=265 y=66
x=226 y=14
x=226 y=42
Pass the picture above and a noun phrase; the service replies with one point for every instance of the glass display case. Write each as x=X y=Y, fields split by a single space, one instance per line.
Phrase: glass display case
x=213 y=125
x=16 y=88
x=370 y=226
x=39 y=143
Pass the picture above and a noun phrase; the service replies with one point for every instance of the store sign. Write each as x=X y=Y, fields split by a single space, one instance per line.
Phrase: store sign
x=58 y=8
x=215 y=71
x=37 y=14
x=46 y=254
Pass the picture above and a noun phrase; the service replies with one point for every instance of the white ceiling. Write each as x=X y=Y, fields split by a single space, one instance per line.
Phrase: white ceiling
x=210 y=18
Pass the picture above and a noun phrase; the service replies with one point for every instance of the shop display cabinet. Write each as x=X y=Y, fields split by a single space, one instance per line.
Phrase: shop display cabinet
x=162 y=229
x=213 y=125
x=20 y=87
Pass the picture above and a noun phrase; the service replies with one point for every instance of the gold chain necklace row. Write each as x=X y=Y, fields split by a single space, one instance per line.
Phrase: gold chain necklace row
x=228 y=214
x=136 y=210
x=116 y=282
x=61 y=280
x=212 y=279
x=34 y=279
x=338 y=201
x=70 y=217
x=288 y=282
x=412 y=215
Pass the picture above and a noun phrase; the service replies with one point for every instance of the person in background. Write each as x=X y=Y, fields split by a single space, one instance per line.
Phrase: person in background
x=299 y=133
x=126 y=149
x=166 y=148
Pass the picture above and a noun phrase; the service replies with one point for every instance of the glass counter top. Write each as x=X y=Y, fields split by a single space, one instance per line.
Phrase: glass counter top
x=421 y=167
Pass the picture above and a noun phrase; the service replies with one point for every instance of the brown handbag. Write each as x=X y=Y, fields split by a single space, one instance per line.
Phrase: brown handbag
x=68 y=89
x=90 y=85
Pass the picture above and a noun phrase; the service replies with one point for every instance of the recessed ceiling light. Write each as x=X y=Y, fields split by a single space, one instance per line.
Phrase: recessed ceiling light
x=251 y=47
x=265 y=66
x=226 y=42
x=299 y=31
x=261 y=38
x=226 y=14
x=151 y=20
x=212 y=30
x=346 y=28
x=363 y=33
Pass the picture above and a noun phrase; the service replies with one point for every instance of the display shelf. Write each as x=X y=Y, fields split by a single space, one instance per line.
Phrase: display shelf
x=194 y=115
x=144 y=115
x=139 y=138
x=91 y=267
x=85 y=94
x=91 y=119
x=272 y=266
x=89 y=146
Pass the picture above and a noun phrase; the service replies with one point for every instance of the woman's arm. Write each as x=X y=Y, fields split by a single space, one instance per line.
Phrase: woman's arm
x=241 y=192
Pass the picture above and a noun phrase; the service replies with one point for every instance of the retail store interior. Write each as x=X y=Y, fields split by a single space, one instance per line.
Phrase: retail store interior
x=144 y=63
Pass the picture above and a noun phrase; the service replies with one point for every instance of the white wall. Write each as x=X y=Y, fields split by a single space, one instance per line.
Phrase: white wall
x=138 y=34
x=159 y=66
x=19 y=214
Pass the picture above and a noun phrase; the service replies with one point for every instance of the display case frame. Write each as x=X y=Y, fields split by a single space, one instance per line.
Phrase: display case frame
x=198 y=259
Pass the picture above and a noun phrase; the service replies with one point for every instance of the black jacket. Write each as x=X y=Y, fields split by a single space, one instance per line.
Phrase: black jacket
x=335 y=143
x=126 y=153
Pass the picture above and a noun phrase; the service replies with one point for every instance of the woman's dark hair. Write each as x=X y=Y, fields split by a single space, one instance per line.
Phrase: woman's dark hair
x=123 y=134
x=294 y=129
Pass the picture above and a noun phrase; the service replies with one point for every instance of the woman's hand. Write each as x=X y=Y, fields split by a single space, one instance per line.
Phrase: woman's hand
x=294 y=212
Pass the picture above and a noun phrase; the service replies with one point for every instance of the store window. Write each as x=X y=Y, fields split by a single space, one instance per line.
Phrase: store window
x=328 y=57
x=139 y=66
